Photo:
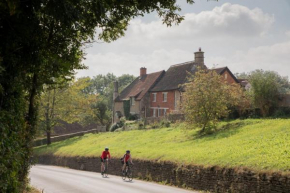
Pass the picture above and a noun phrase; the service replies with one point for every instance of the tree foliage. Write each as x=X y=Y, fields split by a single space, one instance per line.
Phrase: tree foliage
x=265 y=89
x=207 y=98
x=64 y=101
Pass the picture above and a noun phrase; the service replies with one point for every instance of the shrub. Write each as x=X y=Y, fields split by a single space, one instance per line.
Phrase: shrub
x=133 y=117
x=154 y=125
x=114 y=127
x=165 y=123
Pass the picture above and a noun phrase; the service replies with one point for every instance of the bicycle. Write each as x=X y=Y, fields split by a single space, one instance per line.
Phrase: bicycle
x=128 y=173
x=105 y=172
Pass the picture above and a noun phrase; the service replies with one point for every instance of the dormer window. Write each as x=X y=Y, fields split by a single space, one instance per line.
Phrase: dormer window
x=226 y=76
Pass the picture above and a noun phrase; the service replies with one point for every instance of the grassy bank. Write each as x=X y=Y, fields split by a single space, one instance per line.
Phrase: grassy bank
x=253 y=143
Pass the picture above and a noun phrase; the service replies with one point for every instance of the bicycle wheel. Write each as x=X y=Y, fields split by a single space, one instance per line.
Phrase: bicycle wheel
x=130 y=174
x=105 y=174
x=123 y=175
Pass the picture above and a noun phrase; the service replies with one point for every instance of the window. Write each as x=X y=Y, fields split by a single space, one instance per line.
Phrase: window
x=132 y=101
x=164 y=96
x=154 y=113
x=165 y=112
x=226 y=76
x=154 y=97
x=159 y=112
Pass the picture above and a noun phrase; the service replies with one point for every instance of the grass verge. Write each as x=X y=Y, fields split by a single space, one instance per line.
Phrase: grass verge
x=261 y=144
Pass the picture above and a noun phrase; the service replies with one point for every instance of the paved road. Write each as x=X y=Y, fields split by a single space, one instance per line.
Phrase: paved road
x=54 y=179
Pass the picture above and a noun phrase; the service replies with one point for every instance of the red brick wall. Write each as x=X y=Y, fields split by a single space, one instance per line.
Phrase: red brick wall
x=159 y=101
x=229 y=79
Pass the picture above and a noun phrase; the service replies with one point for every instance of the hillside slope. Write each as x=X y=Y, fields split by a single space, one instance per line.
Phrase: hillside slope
x=255 y=143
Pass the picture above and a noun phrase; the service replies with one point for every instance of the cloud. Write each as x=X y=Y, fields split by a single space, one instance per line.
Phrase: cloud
x=219 y=32
x=275 y=57
x=129 y=63
x=226 y=20
x=287 y=33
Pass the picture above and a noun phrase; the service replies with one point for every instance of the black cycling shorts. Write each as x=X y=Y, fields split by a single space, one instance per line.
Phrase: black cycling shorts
x=102 y=160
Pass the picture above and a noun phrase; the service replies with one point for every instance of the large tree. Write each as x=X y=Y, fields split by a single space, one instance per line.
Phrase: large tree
x=265 y=89
x=42 y=39
x=208 y=97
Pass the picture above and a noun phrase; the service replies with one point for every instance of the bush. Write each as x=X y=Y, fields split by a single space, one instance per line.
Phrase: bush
x=141 y=125
x=114 y=127
x=165 y=123
x=155 y=125
x=281 y=113
x=133 y=117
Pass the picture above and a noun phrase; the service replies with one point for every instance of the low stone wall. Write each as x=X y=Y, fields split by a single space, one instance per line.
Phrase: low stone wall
x=213 y=179
x=43 y=141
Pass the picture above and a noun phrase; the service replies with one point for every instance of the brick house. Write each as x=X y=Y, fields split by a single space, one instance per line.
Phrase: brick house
x=136 y=95
x=157 y=94
x=166 y=96
x=227 y=74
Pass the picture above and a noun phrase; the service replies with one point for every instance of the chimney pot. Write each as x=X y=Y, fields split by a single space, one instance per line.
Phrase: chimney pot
x=199 y=57
x=143 y=71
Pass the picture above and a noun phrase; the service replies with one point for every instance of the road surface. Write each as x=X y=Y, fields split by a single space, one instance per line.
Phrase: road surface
x=54 y=179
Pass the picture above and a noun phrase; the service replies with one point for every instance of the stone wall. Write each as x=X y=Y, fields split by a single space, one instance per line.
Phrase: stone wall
x=43 y=141
x=213 y=179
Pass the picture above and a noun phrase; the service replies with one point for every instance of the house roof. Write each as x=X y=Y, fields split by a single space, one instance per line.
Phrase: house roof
x=175 y=76
x=221 y=70
x=140 y=86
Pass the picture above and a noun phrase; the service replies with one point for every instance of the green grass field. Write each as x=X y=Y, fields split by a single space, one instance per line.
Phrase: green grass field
x=254 y=143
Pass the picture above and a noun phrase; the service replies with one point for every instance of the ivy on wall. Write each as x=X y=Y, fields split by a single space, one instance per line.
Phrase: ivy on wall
x=126 y=106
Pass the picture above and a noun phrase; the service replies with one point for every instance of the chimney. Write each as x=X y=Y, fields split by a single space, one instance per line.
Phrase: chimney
x=116 y=90
x=143 y=71
x=199 y=57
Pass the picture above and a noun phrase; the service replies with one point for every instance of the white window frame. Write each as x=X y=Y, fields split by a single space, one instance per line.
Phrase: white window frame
x=154 y=97
x=132 y=101
x=164 y=95
x=154 y=112
x=165 y=112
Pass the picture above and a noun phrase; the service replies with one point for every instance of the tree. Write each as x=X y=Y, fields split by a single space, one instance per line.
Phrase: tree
x=41 y=39
x=265 y=89
x=101 y=112
x=65 y=101
x=208 y=97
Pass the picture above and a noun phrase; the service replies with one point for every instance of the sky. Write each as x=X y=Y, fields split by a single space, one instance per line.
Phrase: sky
x=243 y=35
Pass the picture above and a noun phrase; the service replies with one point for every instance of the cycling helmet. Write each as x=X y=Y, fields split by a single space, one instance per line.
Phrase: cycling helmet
x=128 y=151
x=107 y=149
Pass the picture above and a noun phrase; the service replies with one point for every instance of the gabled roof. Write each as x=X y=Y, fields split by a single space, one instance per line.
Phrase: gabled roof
x=221 y=70
x=140 y=86
x=175 y=76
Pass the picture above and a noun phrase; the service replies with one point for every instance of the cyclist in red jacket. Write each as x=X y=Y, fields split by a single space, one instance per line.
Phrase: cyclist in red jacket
x=126 y=158
x=105 y=157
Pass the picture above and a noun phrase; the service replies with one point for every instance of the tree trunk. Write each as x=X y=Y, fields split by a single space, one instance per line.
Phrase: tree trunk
x=47 y=120
x=48 y=137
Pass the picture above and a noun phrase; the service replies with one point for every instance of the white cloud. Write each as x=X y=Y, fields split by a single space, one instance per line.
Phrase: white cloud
x=288 y=33
x=219 y=32
x=129 y=63
x=275 y=57
x=227 y=20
